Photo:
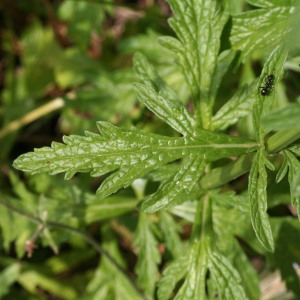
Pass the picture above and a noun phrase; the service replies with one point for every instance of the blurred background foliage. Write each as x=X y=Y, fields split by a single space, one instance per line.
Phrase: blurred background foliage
x=66 y=64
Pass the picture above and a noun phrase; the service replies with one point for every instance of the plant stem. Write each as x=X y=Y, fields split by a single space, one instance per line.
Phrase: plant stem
x=220 y=176
x=282 y=139
x=32 y=116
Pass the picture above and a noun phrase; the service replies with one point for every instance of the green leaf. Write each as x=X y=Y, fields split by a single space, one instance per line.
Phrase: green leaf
x=194 y=281
x=186 y=210
x=163 y=61
x=262 y=105
x=171 y=275
x=149 y=75
x=74 y=68
x=149 y=45
x=294 y=179
x=14 y=228
x=261 y=28
x=287 y=255
x=283 y=118
x=182 y=182
x=198 y=26
x=37 y=276
x=227 y=278
x=111 y=97
x=194 y=286
x=295 y=149
x=173 y=113
x=148 y=255
x=230 y=200
x=238 y=106
x=231 y=220
x=258 y=201
x=108 y=281
x=83 y=18
x=125 y=151
x=283 y=169
x=8 y=277
x=267 y=3
x=170 y=230
x=109 y=207
x=225 y=59
x=39 y=40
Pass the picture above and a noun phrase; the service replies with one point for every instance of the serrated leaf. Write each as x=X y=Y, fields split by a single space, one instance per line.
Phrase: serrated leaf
x=227 y=278
x=231 y=214
x=283 y=118
x=295 y=149
x=283 y=169
x=173 y=113
x=267 y=3
x=238 y=106
x=182 y=182
x=287 y=255
x=148 y=255
x=262 y=104
x=149 y=45
x=171 y=275
x=294 y=179
x=149 y=75
x=185 y=210
x=225 y=59
x=250 y=279
x=258 y=201
x=198 y=26
x=261 y=28
x=170 y=230
x=268 y=163
x=83 y=18
x=8 y=277
x=125 y=151
x=108 y=281
x=194 y=283
x=230 y=200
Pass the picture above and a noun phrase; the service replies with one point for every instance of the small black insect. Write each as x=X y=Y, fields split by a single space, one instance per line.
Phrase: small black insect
x=267 y=89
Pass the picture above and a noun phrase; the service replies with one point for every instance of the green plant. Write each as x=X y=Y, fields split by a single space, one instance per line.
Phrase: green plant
x=191 y=164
